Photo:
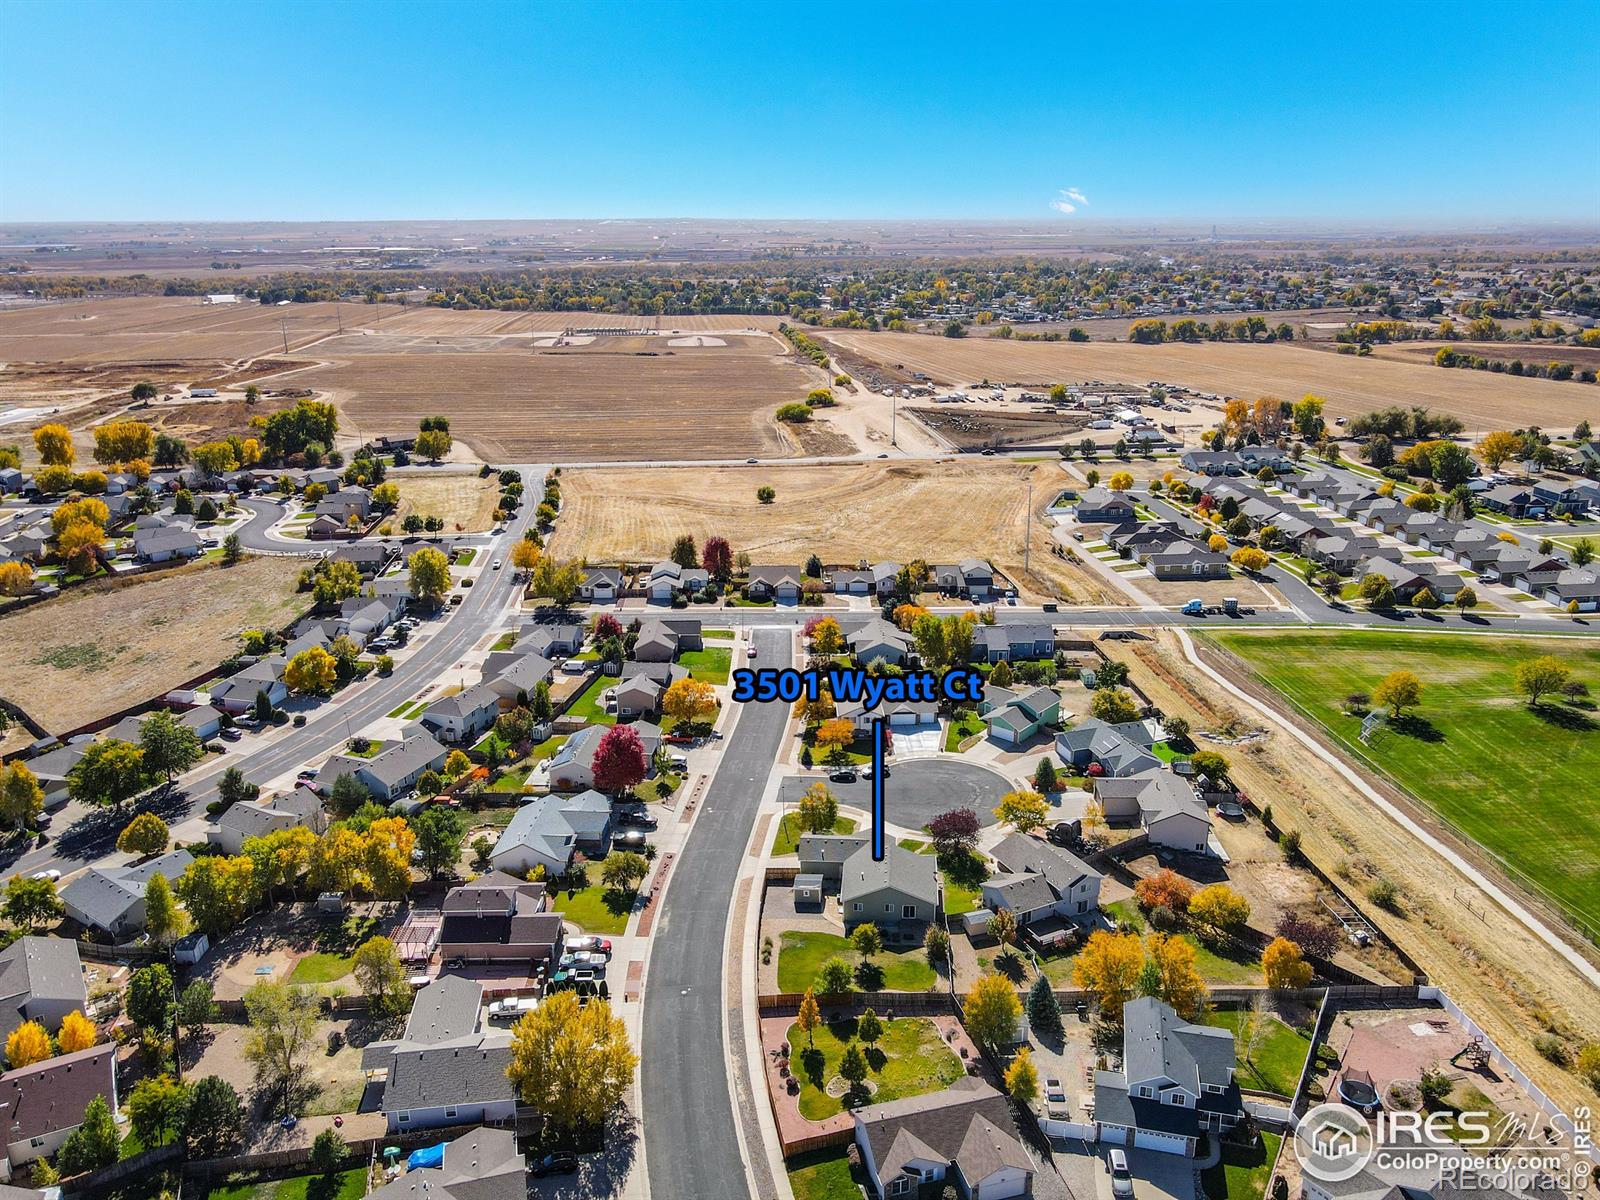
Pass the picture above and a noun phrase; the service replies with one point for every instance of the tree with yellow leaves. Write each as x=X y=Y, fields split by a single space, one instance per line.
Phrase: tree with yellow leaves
x=218 y=891
x=524 y=555
x=826 y=638
x=1218 y=909
x=146 y=834
x=907 y=615
x=1120 y=482
x=1499 y=447
x=1022 y=1078
x=312 y=672
x=572 y=1062
x=54 y=444
x=818 y=809
x=1283 y=967
x=29 y=1043
x=814 y=712
x=1180 y=984
x=16 y=579
x=834 y=736
x=85 y=509
x=991 y=1011
x=336 y=862
x=1248 y=558
x=1023 y=810
x=809 y=1017
x=1108 y=969
x=77 y=1032
x=78 y=545
x=390 y=842
x=123 y=441
x=690 y=701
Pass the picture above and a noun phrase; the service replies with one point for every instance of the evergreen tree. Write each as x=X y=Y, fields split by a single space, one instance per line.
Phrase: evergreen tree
x=1044 y=1012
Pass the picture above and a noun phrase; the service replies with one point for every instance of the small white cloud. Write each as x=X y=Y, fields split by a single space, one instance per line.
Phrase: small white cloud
x=1069 y=200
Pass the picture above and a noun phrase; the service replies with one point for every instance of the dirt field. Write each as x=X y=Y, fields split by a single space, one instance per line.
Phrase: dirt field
x=967 y=428
x=1512 y=983
x=466 y=502
x=1351 y=385
x=519 y=406
x=937 y=511
x=100 y=648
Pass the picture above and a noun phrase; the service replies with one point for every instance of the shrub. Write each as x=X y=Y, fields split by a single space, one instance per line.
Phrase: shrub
x=1385 y=895
x=1552 y=1048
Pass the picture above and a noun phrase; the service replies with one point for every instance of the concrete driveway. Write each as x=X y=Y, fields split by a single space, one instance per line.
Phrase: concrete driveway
x=1156 y=1176
x=926 y=738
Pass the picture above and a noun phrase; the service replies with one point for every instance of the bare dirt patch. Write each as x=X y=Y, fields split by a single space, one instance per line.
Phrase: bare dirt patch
x=1350 y=384
x=104 y=646
x=967 y=429
x=940 y=511
x=466 y=502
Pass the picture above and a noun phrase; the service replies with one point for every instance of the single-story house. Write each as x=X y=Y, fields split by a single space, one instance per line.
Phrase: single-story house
x=166 y=545
x=572 y=767
x=1118 y=749
x=369 y=558
x=1189 y=560
x=390 y=773
x=1164 y=804
x=668 y=579
x=899 y=895
x=601 y=585
x=971 y=577
x=1015 y=716
x=111 y=899
x=550 y=641
x=782 y=584
x=1098 y=506
x=1514 y=500
x=548 y=830
x=824 y=854
x=483 y=1164
x=963 y=1136
x=465 y=715
x=1013 y=643
x=662 y=639
x=45 y=1102
x=1575 y=587
x=237 y=693
x=41 y=979
x=258 y=818
x=874 y=638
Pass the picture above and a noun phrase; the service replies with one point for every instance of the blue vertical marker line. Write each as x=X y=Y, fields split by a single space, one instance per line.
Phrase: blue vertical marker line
x=877 y=789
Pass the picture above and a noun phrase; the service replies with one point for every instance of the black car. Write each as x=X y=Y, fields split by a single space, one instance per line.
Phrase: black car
x=562 y=1163
x=639 y=820
x=843 y=777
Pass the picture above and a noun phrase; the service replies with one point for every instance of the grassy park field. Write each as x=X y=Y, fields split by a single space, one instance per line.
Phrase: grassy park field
x=1517 y=780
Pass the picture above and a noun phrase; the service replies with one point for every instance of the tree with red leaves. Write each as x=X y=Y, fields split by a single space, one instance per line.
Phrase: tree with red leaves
x=717 y=559
x=619 y=760
x=954 y=830
x=606 y=626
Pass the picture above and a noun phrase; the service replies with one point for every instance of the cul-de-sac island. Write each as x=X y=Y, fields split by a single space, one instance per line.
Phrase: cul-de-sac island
x=721 y=708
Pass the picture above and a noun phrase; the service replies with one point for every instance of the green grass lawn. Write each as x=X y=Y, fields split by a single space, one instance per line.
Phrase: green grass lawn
x=909 y=1059
x=959 y=898
x=505 y=641
x=1279 y=1055
x=801 y=955
x=1166 y=753
x=967 y=724
x=546 y=749
x=464 y=557
x=822 y=1175
x=1509 y=776
x=346 y=1185
x=1243 y=1172
x=587 y=707
x=1224 y=965
x=511 y=781
x=594 y=909
x=858 y=752
x=320 y=967
x=787 y=839
x=719 y=634
x=710 y=665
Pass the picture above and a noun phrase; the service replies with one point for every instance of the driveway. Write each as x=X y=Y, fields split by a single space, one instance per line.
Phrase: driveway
x=926 y=738
x=917 y=791
x=1156 y=1176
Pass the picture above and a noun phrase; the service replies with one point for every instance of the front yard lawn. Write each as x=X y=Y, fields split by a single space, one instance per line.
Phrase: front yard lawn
x=1243 y=1172
x=710 y=665
x=588 y=707
x=1279 y=1056
x=822 y=1175
x=505 y=641
x=595 y=908
x=801 y=956
x=720 y=634
x=965 y=724
x=787 y=840
x=910 y=1059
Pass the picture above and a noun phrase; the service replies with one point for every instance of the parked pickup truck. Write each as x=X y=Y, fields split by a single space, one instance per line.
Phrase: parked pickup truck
x=513 y=1009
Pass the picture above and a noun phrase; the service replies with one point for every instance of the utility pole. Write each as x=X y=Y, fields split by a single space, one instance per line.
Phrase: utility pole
x=894 y=420
x=284 y=327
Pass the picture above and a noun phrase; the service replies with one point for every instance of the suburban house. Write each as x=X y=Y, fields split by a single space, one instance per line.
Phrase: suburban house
x=1514 y=500
x=782 y=584
x=1098 y=506
x=512 y=676
x=1187 y=560
x=1116 y=749
x=572 y=767
x=876 y=580
x=258 y=818
x=1580 y=588
x=898 y=713
x=499 y=918
x=668 y=579
x=824 y=854
x=1164 y=804
x=662 y=639
x=1015 y=716
x=874 y=638
x=962 y=1135
x=465 y=715
x=550 y=641
x=369 y=558
x=53 y=767
x=237 y=692
x=445 y=1069
x=899 y=895
x=1013 y=643
x=971 y=577
x=1176 y=1081
x=482 y=1165
x=41 y=979
x=1341 y=553
x=111 y=899
x=390 y=773
x=166 y=545
x=1408 y=583
x=1211 y=462
x=1040 y=881
x=601 y=585
x=549 y=830
x=45 y=1102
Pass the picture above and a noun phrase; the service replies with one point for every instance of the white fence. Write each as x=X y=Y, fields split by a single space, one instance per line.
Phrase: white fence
x=1083 y=1130
x=1547 y=1106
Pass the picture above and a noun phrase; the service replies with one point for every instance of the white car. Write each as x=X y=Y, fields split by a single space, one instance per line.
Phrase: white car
x=750 y=652
x=1055 y=1099
x=498 y=563
x=52 y=875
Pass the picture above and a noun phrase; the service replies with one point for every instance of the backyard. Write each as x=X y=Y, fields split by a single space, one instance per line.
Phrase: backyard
x=1229 y=966
x=909 y=1059
x=1276 y=1062
x=787 y=839
x=1509 y=775
x=801 y=956
x=345 y=1185
x=822 y=1175
x=588 y=707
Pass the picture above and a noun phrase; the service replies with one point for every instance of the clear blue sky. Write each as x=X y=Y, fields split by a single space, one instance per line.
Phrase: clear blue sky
x=1418 y=112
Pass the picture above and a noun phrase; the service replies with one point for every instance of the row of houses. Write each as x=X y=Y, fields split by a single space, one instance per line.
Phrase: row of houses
x=971 y=578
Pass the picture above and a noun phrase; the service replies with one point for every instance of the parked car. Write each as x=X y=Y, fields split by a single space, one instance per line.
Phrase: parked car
x=230 y=735
x=555 y=1164
x=51 y=874
x=750 y=652
x=867 y=773
x=582 y=958
x=639 y=820
x=843 y=777
x=633 y=839
x=1055 y=1099
x=1121 y=1180
x=589 y=941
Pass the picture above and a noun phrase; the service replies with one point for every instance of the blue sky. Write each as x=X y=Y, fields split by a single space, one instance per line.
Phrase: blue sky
x=1419 y=112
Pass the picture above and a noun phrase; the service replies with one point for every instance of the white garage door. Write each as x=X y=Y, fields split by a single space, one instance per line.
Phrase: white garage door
x=905 y=718
x=1167 y=1143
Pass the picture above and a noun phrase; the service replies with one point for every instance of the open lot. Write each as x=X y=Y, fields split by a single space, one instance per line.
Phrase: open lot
x=1518 y=781
x=466 y=502
x=941 y=512
x=1351 y=385
x=642 y=400
x=106 y=645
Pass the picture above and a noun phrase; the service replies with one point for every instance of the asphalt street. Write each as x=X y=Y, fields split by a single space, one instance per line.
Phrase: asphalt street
x=916 y=791
x=691 y=1147
x=80 y=836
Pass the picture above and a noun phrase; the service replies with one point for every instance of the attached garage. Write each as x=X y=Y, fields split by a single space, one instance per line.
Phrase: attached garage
x=1166 y=1143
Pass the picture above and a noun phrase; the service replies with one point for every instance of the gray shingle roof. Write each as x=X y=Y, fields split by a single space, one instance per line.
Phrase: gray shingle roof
x=912 y=874
x=469 y=1070
x=968 y=1124
x=38 y=968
